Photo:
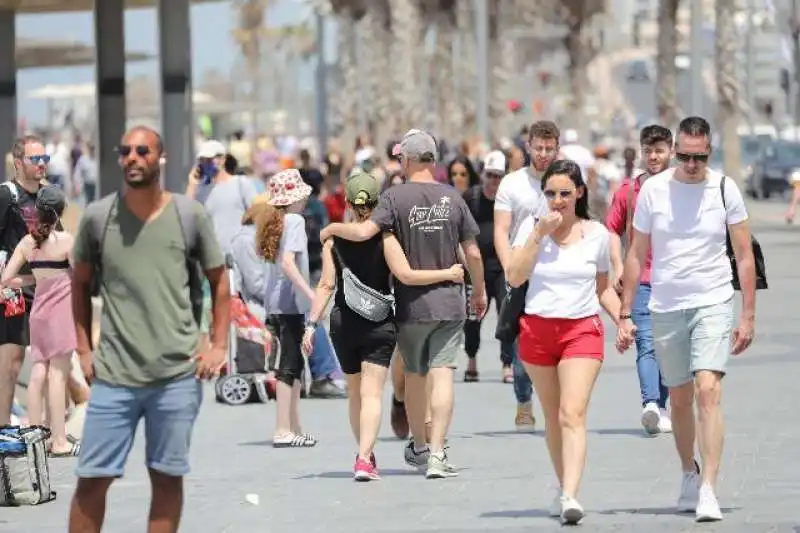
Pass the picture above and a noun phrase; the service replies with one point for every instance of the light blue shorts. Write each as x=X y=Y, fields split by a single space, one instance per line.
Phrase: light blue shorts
x=691 y=340
x=169 y=412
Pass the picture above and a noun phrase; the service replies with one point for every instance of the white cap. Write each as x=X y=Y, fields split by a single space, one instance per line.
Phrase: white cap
x=364 y=154
x=210 y=149
x=570 y=136
x=495 y=162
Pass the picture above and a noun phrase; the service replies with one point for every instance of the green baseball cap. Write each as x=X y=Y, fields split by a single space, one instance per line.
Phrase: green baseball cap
x=361 y=188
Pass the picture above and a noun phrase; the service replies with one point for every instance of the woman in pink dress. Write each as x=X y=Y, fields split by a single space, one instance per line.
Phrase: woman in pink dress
x=47 y=251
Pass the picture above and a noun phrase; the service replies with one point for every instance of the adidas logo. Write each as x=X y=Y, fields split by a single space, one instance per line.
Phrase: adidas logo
x=367 y=305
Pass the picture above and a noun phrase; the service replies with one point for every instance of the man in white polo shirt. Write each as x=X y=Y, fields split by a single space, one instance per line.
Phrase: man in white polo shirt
x=520 y=195
x=684 y=213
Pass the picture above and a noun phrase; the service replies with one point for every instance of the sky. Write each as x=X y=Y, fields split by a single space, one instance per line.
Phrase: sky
x=212 y=44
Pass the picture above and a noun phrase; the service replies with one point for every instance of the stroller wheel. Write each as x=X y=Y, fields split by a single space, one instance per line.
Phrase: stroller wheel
x=234 y=389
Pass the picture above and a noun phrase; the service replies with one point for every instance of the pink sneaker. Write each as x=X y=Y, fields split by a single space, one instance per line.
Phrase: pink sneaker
x=365 y=470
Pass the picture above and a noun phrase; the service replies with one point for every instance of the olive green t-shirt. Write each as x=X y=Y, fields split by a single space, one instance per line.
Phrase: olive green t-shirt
x=148 y=332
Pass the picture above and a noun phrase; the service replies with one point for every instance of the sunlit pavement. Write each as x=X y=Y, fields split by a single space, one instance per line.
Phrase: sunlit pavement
x=506 y=483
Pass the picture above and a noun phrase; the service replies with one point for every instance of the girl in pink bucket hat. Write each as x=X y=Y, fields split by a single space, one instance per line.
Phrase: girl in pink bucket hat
x=282 y=241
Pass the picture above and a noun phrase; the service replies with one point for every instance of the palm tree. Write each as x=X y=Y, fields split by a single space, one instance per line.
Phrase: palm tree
x=408 y=29
x=377 y=26
x=667 y=75
x=726 y=46
x=464 y=68
x=447 y=104
x=349 y=13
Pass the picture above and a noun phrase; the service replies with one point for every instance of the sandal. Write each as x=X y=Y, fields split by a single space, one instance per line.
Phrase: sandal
x=74 y=450
x=471 y=376
x=293 y=440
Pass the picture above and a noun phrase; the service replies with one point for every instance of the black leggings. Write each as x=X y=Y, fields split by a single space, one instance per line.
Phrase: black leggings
x=289 y=330
x=495 y=289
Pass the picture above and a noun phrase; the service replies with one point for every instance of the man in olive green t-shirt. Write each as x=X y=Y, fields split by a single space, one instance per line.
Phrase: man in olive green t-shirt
x=148 y=362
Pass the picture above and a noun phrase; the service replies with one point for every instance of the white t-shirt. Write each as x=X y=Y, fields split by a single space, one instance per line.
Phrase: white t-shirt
x=686 y=223
x=563 y=283
x=520 y=193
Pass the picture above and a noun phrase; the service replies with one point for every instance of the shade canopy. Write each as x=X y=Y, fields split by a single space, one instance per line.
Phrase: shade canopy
x=34 y=53
x=57 y=6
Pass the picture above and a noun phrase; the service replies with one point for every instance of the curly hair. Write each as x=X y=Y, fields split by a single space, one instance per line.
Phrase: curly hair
x=46 y=220
x=268 y=221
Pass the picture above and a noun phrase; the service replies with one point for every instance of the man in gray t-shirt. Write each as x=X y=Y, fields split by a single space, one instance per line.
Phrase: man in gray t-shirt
x=431 y=221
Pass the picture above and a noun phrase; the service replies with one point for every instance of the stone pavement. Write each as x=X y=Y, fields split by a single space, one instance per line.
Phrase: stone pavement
x=506 y=481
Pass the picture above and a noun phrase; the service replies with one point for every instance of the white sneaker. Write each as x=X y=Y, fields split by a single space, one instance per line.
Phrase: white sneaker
x=664 y=422
x=690 y=488
x=707 y=506
x=650 y=418
x=571 y=511
x=555 y=506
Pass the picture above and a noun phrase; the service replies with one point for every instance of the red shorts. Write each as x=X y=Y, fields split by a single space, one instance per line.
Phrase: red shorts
x=546 y=341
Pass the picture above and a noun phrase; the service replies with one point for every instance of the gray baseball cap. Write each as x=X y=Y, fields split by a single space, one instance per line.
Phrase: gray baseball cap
x=418 y=145
x=51 y=198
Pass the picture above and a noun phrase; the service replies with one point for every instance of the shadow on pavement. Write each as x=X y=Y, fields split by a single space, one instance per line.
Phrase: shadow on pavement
x=626 y=432
x=526 y=513
x=657 y=511
x=385 y=472
x=507 y=432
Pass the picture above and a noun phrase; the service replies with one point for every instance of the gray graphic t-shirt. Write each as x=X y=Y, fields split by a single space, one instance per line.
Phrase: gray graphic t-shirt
x=282 y=296
x=430 y=220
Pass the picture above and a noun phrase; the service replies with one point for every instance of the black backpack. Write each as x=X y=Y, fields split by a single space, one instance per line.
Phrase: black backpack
x=758 y=255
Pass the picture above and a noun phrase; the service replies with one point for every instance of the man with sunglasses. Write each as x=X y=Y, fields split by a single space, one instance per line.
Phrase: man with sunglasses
x=148 y=363
x=656 y=145
x=683 y=214
x=17 y=219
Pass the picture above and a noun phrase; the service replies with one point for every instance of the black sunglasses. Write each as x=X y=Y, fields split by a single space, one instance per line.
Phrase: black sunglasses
x=685 y=158
x=563 y=193
x=125 y=149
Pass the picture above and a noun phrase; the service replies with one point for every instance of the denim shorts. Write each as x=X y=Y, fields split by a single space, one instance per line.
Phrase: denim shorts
x=169 y=411
x=691 y=340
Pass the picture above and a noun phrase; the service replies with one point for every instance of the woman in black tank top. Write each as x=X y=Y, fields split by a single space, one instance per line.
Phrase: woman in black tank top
x=364 y=346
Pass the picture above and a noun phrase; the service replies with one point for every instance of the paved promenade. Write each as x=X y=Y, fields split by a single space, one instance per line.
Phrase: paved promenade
x=630 y=484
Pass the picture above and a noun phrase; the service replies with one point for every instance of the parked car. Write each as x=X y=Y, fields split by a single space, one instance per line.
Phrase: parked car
x=773 y=169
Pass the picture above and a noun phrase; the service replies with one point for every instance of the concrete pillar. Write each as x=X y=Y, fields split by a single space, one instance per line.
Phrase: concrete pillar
x=176 y=91
x=8 y=86
x=109 y=33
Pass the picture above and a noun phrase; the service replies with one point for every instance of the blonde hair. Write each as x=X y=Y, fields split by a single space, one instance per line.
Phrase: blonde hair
x=268 y=221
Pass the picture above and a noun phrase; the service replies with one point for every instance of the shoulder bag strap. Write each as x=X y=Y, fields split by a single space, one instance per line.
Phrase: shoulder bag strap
x=188 y=221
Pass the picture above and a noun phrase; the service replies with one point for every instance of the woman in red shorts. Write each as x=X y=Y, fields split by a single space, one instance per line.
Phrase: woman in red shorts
x=564 y=257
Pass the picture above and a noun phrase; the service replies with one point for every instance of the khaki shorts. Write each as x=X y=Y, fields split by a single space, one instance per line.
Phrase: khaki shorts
x=426 y=345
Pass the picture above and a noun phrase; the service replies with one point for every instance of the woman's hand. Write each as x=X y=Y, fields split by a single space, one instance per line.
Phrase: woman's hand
x=308 y=341
x=626 y=332
x=548 y=224
x=457 y=273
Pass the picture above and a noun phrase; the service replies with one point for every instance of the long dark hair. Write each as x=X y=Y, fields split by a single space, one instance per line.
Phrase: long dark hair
x=46 y=220
x=571 y=169
x=474 y=179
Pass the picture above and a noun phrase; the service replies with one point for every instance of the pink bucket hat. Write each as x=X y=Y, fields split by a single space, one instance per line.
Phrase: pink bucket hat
x=287 y=187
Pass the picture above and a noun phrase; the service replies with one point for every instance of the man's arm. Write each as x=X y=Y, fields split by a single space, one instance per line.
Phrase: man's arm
x=745 y=266
x=352 y=231
x=220 y=306
x=633 y=269
x=502 y=241
x=472 y=257
x=398 y=264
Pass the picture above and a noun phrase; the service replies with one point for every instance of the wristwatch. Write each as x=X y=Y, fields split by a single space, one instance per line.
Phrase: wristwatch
x=312 y=325
x=624 y=316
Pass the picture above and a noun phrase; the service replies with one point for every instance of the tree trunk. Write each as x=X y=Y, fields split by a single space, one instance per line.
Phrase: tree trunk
x=578 y=80
x=346 y=98
x=667 y=75
x=726 y=46
x=408 y=29
x=447 y=105
x=464 y=71
x=379 y=40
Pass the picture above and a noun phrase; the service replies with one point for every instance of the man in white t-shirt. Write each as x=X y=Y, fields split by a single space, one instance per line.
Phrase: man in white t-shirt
x=520 y=195
x=683 y=213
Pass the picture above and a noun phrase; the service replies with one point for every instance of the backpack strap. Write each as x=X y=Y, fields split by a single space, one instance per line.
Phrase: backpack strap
x=629 y=211
x=722 y=193
x=12 y=188
x=99 y=214
x=188 y=220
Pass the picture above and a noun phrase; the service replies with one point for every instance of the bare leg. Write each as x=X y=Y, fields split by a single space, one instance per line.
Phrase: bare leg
x=416 y=404
x=283 y=408
x=57 y=376
x=373 y=378
x=166 y=503
x=88 y=509
x=708 y=390
x=576 y=377
x=681 y=401
x=548 y=390
x=36 y=385
x=398 y=377
x=440 y=405
x=354 y=404
x=11 y=357
x=294 y=411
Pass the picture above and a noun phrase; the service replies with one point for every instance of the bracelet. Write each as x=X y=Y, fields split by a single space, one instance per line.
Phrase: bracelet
x=624 y=316
x=312 y=325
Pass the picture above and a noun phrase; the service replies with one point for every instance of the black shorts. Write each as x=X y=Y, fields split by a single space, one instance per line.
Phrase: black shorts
x=14 y=330
x=289 y=330
x=357 y=341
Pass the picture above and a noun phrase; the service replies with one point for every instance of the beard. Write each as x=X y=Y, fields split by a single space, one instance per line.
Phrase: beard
x=141 y=181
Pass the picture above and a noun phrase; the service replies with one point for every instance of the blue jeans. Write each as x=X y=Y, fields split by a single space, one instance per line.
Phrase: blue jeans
x=169 y=411
x=523 y=388
x=323 y=363
x=651 y=383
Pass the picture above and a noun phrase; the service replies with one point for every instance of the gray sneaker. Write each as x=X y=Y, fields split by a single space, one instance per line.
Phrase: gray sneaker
x=418 y=460
x=439 y=467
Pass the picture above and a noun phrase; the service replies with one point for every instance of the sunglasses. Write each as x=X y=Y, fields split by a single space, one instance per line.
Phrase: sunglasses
x=685 y=158
x=563 y=193
x=463 y=174
x=39 y=159
x=125 y=150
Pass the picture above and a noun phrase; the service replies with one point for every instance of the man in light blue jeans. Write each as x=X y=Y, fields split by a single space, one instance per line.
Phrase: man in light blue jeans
x=149 y=360
x=694 y=219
